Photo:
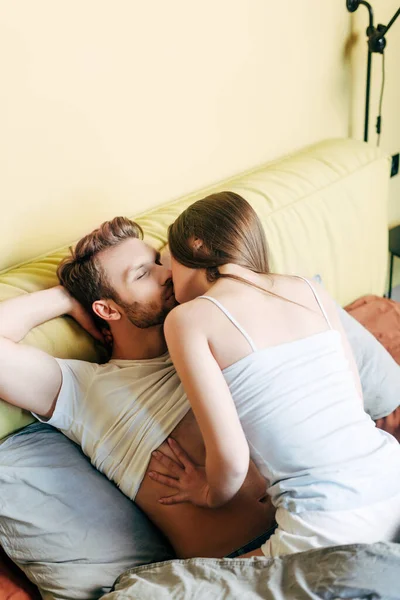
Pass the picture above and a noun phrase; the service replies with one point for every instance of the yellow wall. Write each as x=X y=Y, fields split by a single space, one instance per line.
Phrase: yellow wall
x=113 y=107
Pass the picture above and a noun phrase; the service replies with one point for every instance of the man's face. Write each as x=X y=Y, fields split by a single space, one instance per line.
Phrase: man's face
x=142 y=285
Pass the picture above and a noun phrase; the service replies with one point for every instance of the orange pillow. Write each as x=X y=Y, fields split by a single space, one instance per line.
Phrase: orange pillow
x=14 y=584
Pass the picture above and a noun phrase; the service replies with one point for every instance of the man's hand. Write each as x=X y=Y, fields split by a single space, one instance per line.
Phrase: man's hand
x=184 y=476
x=85 y=320
x=21 y=314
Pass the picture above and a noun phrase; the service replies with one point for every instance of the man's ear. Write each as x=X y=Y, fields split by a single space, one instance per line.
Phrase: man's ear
x=106 y=309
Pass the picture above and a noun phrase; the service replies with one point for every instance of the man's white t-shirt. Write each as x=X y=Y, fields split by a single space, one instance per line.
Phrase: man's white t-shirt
x=119 y=413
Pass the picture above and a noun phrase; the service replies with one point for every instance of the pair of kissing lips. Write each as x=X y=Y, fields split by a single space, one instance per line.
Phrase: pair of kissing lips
x=169 y=291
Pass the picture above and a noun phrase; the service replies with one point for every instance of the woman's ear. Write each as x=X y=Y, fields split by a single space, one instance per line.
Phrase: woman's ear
x=197 y=244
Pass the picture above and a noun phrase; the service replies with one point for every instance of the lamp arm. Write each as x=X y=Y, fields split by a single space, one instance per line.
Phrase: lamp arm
x=384 y=30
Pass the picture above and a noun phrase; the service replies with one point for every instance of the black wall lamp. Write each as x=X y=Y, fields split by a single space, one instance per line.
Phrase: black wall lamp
x=376 y=43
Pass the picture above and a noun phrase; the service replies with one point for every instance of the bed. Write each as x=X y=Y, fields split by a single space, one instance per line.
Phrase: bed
x=324 y=210
x=361 y=572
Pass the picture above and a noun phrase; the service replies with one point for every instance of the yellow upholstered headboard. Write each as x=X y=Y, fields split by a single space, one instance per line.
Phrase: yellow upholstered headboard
x=324 y=210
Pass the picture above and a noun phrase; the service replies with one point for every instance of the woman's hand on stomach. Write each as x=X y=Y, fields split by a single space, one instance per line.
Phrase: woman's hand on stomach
x=187 y=479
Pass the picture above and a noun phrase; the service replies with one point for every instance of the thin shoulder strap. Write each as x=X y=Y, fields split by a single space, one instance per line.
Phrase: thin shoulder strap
x=314 y=291
x=232 y=320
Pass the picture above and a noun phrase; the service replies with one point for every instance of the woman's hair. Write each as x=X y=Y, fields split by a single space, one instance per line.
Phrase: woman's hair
x=219 y=229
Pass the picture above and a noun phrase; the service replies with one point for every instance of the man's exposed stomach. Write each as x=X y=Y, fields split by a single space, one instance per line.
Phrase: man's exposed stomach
x=196 y=531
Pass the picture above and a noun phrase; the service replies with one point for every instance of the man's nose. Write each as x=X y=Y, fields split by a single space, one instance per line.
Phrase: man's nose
x=165 y=274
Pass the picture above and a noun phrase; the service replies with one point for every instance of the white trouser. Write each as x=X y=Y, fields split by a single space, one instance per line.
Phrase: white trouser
x=316 y=529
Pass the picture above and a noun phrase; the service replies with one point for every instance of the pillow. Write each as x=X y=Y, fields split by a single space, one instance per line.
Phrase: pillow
x=379 y=372
x=63 y=523
x=12 y=418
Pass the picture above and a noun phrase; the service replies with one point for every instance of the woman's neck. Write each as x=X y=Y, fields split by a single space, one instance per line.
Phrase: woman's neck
x=246 y=275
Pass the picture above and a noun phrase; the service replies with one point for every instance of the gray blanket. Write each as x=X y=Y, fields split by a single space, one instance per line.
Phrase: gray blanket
x=358 y=571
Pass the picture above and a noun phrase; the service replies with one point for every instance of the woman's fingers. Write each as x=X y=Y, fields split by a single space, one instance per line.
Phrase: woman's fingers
x=173 y=467
x=164 y=479
x=175 y=499
x=180 y=454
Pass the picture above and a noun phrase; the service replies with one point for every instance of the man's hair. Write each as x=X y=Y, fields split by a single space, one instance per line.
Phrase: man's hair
x=81 y=272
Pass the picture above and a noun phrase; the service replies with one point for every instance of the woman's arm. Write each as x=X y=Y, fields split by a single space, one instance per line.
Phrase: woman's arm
x=227 y=451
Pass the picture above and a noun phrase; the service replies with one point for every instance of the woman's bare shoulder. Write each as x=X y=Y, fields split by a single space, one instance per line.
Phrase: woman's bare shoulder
x=187 y=314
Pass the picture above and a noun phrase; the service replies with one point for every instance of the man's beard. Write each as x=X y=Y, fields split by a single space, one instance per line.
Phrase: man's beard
x=150 y=314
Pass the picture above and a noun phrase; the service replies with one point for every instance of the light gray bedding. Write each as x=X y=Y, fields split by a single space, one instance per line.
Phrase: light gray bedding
x=358 y=571
x=68 y=528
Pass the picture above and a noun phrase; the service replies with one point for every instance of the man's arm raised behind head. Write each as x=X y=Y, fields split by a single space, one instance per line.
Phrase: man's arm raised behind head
x=30 y=378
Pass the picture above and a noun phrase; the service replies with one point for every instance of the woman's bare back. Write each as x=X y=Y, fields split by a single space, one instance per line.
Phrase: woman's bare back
x=286 y=312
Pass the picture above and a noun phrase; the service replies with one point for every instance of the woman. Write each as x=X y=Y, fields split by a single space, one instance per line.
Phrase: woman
x=269 y=374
